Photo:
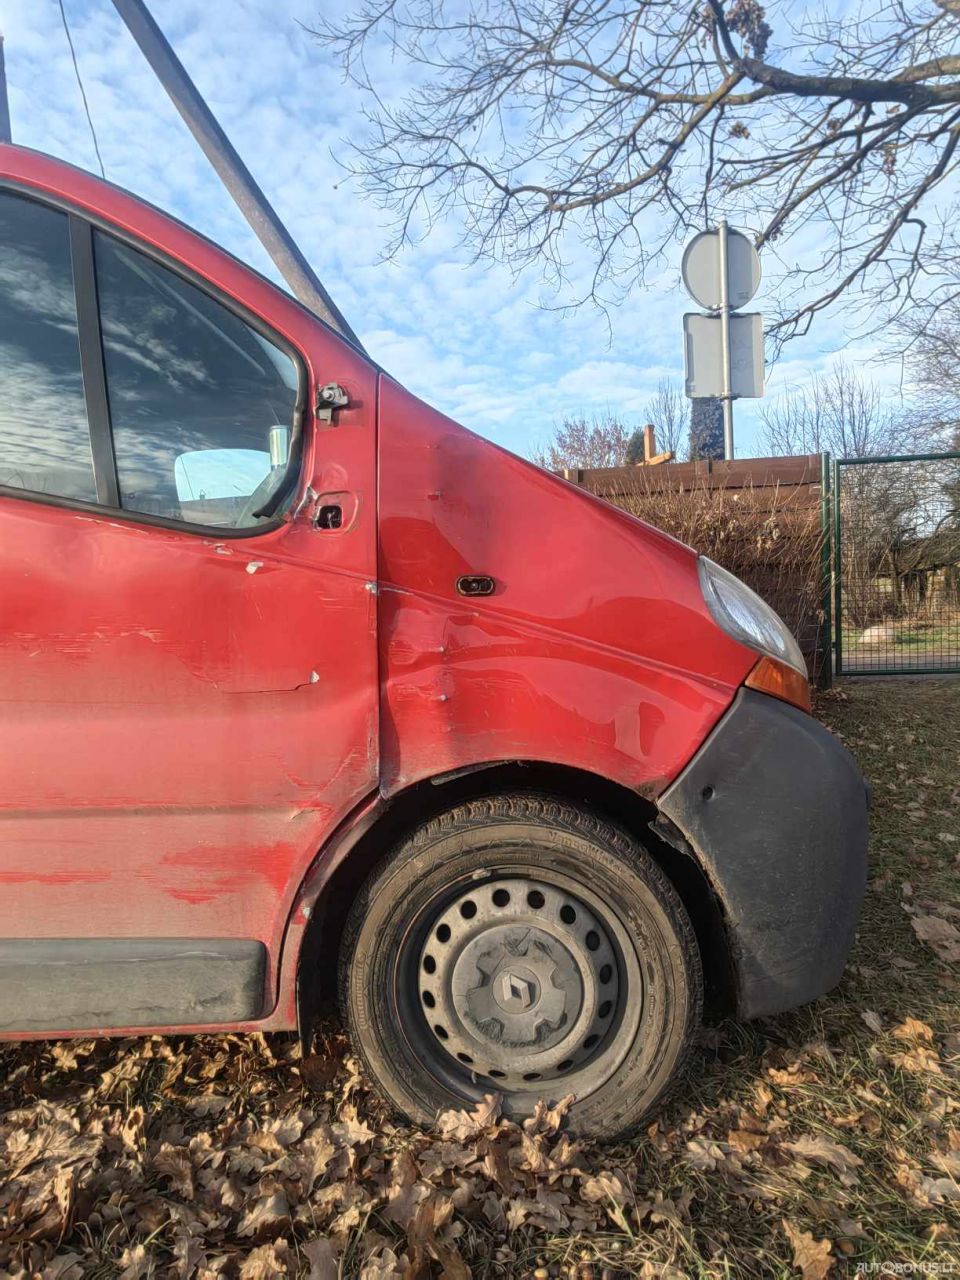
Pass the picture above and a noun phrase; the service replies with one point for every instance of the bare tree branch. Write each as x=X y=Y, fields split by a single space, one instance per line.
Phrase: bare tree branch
x=668 y=410
x=626 y=124
x=842 y=414
x=579 y=442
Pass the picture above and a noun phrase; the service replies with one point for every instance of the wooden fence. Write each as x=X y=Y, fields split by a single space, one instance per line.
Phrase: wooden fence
x=798 y=479
x=759 y=517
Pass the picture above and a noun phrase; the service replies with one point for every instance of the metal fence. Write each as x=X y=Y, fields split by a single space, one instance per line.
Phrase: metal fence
x=859 y=555
x=896 y=571
x=759 y=517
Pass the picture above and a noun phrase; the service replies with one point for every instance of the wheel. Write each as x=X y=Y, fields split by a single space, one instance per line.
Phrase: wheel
x=522 y=946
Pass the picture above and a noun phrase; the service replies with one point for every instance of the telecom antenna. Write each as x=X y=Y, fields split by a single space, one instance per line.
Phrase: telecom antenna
x=233 y=173
x=5 y=134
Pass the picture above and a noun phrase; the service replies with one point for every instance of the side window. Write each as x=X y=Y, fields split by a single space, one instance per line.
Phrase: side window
x=44 y=440
x=201 y=404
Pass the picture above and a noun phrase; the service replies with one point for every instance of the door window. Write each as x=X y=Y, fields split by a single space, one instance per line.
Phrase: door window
x=201 y=404
x=44 y=440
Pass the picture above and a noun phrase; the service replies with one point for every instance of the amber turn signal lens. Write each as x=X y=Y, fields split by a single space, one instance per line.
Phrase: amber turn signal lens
x=780 y=680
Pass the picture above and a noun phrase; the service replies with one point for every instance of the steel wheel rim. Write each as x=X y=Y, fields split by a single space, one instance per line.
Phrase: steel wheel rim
x=524 y=983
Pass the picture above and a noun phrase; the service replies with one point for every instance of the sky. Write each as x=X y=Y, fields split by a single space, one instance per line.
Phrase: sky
x=464 y=335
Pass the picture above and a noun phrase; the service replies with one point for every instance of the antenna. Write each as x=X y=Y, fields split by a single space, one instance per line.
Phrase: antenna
x=233 y=173
x=5 y=134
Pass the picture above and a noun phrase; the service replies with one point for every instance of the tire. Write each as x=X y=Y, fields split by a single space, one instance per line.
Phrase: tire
x=520 y=945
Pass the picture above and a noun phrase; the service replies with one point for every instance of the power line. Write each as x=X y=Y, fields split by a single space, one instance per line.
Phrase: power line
x=83 y=95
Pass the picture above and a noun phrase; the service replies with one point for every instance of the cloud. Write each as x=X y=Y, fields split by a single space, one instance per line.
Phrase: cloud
x=464 y=335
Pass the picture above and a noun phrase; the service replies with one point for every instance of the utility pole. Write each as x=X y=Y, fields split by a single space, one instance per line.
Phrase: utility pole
x=727 y=396
x=723 y=350
x=5 y=133
x=233 y=173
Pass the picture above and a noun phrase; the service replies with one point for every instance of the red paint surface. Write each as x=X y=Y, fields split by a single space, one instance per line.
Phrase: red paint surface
x=595 y=650
x=171 y=768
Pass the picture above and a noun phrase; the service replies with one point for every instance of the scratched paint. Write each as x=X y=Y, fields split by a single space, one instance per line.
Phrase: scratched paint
x=190 y=725
x=184 y=718
x=595 y=650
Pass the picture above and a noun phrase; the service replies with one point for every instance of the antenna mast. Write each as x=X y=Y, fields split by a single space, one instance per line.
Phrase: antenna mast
x=233 y=173
x=5 y=134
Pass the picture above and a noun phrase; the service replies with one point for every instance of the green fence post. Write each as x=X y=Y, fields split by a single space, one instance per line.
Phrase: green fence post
x=825 y=674
x=837 y=571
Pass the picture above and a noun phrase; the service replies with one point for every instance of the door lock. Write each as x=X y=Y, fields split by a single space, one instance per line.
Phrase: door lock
x=329 y=516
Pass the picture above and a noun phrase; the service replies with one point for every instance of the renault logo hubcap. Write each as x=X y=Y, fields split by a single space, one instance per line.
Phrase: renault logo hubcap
x=516 y=990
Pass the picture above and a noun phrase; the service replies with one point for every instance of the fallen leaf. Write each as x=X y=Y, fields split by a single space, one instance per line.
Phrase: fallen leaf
x=461 y=1126
x=704 y=1154
x=209 y=1104
x=911 y=1029
x=65 y=1266
x=850 y=1229
x=50 y=1216
x=612 y=1193
x=319 y=1072
x=938 y=1231
x=938 y=1190
x=403 y=1192
x=350 y=1130
x=536 y=1158
x=267 y=1262
x=132 y=1129
x=174 y=1165
x=925 y=1191
x=322 y=1255
x=817 y=1149
x=791 y=1076
x=270 y=1212
x=746 y=1139
x=939 y=934
x=947 y=1162
x=919 y=1059
x=811 y=1257
x=548 y=1119
x=381 y=1265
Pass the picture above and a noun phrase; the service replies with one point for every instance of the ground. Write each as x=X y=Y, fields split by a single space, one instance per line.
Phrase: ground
x=912 y=643
x=809 y=1144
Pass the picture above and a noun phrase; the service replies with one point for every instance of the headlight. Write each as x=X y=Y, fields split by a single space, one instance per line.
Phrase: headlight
x=743 y=615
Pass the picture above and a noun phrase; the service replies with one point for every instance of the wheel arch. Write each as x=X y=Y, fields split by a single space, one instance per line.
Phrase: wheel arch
x=339 y=874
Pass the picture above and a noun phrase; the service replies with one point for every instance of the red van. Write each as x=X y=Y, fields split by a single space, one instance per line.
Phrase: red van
x=303 y=687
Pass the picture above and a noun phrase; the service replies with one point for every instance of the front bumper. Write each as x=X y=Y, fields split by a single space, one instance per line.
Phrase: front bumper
x=775 y=809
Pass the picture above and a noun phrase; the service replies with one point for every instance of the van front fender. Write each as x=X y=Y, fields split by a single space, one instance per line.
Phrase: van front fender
x=775 y=809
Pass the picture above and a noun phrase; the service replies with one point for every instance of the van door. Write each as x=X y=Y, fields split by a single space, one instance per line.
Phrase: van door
x=188 y=687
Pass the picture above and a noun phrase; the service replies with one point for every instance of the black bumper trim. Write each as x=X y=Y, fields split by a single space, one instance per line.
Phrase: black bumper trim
x=70 y=984
x=775 y=808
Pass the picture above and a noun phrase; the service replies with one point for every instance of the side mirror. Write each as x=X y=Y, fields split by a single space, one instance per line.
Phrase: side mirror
x=216 y=474
x=279 y=446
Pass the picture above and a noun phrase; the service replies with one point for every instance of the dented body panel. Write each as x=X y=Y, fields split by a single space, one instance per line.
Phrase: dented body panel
x=595 y=649
x=197 y=729
x=184 y=718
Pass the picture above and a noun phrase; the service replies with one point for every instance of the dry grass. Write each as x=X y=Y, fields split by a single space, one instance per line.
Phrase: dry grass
x=807 y=1143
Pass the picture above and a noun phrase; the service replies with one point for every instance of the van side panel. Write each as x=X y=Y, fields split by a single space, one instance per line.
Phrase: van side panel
x=184 y=719
x=595 y=649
